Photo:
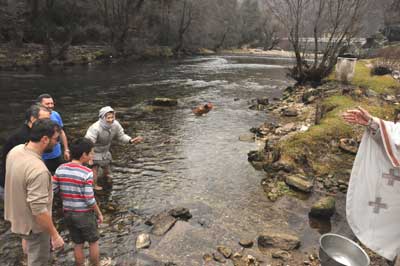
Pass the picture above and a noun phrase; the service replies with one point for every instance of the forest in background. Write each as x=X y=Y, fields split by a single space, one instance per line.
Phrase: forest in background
x=175 y=27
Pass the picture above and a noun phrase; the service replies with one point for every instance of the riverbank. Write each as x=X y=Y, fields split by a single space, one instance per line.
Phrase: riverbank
x=310 y=150
x=32 y=56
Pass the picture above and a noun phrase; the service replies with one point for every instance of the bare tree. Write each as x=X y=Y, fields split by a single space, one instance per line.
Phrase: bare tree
x=185 y=21
x=330 y=24
x=54 y=23
x=118 y=16
x=165 y=21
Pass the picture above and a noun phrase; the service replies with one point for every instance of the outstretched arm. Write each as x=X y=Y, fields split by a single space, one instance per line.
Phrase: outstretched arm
x=358 y=116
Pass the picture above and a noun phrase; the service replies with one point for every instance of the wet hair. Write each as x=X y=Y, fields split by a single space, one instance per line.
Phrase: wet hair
x=34 y=111
x=41 y=128
x=43 y=96
x=80 y=146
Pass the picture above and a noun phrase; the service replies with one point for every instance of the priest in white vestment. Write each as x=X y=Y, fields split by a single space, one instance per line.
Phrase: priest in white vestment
x=373 y=196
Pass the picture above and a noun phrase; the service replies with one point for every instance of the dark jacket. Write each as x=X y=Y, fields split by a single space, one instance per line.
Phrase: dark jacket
x=19 y=137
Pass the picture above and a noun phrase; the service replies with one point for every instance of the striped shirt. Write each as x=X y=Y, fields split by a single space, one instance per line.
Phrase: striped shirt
x=75 y=184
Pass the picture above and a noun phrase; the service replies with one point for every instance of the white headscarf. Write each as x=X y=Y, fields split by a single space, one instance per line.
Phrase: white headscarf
x=102 y=117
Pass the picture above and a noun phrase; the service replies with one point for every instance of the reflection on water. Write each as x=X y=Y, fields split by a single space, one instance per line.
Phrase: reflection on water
x=194 y=162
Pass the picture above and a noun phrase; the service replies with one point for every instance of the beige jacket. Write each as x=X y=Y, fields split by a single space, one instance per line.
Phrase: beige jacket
x=28 y=190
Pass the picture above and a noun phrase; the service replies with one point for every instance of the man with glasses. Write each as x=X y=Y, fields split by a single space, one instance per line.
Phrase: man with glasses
x=21 y=136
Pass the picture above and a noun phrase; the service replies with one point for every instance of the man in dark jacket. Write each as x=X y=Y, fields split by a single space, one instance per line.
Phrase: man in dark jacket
x=21 y=136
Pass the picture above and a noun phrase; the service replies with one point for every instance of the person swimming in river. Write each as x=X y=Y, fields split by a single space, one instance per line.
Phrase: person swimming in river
x=202 y=109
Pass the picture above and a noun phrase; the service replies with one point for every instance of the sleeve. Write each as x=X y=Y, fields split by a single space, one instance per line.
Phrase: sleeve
x=374 y=129
x=121 y=134
x=6 y=149
x=38 y=192
x=56 y=117
x=56 y=183
x=92 y=133
x=88 y=190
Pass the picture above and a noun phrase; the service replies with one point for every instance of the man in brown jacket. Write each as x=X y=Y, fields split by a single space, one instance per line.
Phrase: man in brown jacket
x=29 y=195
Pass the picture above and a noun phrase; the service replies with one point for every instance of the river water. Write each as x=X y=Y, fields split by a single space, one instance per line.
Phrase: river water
x=187 y=161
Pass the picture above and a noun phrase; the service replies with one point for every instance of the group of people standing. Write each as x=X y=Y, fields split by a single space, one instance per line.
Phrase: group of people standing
x=34 y=166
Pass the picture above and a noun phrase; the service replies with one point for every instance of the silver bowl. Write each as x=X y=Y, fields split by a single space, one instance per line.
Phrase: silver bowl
x=337 y=250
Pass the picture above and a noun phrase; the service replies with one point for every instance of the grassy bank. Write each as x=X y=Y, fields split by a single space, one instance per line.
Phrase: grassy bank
x=319 y=145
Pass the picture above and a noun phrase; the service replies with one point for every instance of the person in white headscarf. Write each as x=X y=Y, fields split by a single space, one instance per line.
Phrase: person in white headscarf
x=101 y=133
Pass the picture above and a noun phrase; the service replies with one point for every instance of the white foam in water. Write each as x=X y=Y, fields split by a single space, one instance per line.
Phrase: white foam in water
x=161 y=82
x=203 y=83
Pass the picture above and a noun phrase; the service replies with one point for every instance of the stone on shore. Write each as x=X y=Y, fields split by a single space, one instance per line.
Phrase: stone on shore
x=290 y=112
x=324 y=207
x=281 y=240
x=349 y=145
x=299 y=182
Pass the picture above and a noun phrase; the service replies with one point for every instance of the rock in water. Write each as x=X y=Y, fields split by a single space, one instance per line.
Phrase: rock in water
x=225 y=251
x=324 y=207
x=164 y=102
x=246 y=243
x=143 y=241
x=181 y=213
x=161 y=222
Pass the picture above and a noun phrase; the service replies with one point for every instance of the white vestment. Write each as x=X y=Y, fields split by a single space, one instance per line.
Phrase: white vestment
x=373 y=196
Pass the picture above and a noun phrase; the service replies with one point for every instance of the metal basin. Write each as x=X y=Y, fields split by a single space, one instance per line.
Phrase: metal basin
x=337 y=250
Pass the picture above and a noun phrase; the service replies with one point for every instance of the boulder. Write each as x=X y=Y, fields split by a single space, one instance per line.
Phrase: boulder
x=299 y=182
x=282 y=240
x=143 y=241
x=324 y=207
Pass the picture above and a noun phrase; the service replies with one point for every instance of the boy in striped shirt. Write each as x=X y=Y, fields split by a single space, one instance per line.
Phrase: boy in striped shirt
x=74 y=182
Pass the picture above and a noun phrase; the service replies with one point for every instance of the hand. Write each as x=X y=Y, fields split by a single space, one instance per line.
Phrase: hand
x=100 y=218
x=357 y=116
x=57 y=242
x=137 y=140
x=67 y=155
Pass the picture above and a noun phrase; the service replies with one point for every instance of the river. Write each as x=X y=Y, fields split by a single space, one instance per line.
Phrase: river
x=187 y=161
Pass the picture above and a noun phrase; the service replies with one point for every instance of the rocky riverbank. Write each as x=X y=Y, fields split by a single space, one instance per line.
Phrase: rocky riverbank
x=308 y=150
